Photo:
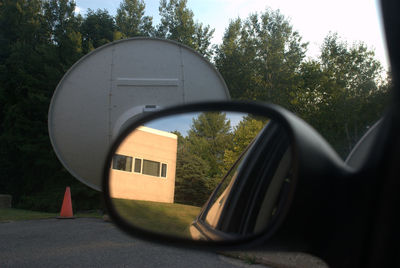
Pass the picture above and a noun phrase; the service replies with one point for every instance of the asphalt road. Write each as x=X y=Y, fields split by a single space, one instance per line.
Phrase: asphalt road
x=92 y=243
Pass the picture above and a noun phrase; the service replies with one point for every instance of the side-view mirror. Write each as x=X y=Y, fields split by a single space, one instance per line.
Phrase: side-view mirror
x=222 y=174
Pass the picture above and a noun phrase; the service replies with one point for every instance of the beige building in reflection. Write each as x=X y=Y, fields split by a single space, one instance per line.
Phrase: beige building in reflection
x=144 y=166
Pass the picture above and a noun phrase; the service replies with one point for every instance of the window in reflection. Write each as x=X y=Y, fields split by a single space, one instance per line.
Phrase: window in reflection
x=151 y=168
x=138 y=165
x=164 y=170
x=122 y=162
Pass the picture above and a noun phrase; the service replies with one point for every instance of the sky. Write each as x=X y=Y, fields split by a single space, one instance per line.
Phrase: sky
x=183 y=122
x=353 y=20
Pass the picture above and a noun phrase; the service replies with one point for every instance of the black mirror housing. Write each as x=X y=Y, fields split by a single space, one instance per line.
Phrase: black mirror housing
x=317 y=175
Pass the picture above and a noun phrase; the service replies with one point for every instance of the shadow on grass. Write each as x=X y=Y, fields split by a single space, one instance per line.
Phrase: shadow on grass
x=12 y=214
x=165 y=218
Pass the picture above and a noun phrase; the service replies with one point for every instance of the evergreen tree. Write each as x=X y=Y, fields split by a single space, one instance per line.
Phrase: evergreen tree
x=208 y=138
x=192 y=185
x=200 y=158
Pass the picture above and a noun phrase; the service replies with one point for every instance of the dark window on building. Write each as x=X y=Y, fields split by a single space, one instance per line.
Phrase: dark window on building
x=164 y=170
x=122 y=162
x=138 y=165
x=151 y=168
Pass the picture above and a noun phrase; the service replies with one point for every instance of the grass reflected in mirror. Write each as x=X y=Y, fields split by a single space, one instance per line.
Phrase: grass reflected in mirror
x=166 y=218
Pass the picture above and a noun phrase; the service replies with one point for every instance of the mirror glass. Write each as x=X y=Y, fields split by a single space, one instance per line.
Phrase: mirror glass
x=204 y=175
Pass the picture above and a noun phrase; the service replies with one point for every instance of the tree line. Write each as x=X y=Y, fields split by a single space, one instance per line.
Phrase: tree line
x=208 y=151
x=341 y=93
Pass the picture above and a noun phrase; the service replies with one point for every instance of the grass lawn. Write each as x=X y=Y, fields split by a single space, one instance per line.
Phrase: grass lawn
x=12 y=214
x=165 y=218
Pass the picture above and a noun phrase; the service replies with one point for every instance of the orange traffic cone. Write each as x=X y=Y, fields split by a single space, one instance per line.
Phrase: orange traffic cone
x=66 y=209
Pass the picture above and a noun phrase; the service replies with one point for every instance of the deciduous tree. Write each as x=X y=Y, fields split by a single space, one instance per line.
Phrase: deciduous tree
x=243 y=134
x=347 y=92
x=97 y=29
x=177 y=23
x=260 y=58
x=131 y=21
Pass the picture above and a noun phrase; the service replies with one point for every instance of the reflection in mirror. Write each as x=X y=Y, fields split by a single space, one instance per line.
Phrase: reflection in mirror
x=206 y=175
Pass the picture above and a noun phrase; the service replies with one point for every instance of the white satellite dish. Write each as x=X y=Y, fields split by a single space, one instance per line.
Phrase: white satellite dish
x=115 y=82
